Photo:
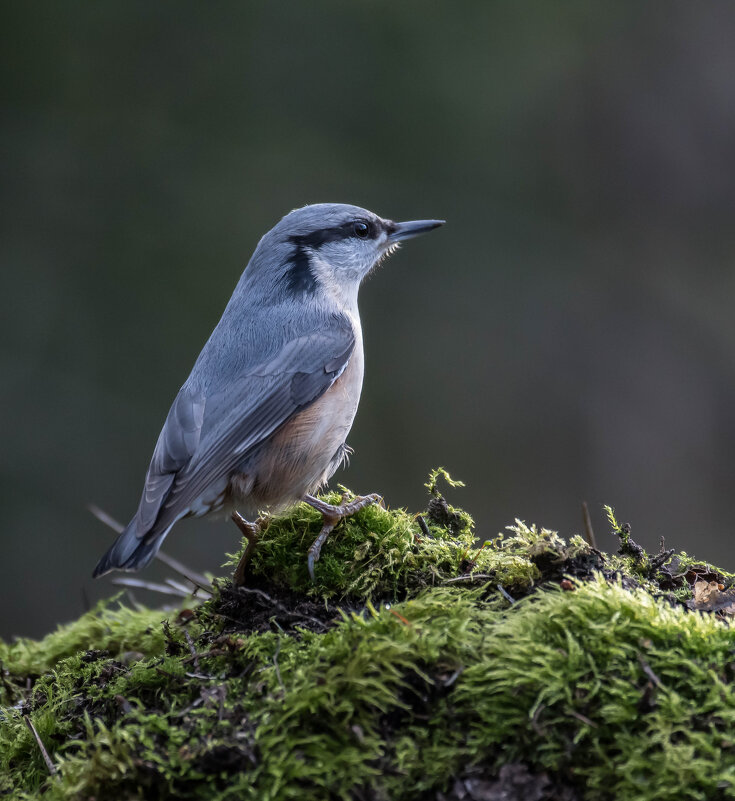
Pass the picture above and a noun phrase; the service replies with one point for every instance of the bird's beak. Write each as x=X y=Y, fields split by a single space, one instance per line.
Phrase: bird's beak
x=408 y=230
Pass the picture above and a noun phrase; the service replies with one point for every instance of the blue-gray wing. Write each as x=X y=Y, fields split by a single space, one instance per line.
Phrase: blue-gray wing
x=177 y=442
x=205 y=436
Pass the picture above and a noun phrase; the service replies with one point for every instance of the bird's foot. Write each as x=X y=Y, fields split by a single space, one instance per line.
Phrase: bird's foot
x=250 y=531
x=331 y=515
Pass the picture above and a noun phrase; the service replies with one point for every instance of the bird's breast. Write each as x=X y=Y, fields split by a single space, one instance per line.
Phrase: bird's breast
x=305 y=451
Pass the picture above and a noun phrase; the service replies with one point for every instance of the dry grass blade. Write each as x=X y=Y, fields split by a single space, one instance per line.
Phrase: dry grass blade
x=468 y=577
x=589 y=533
x=192 y=650
x=142 y=584
x=46 y=758
x=197 y=579
x=108 y=520
x=177 y=585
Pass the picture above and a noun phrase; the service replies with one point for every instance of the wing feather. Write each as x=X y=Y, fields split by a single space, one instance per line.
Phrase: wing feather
x=204 y=438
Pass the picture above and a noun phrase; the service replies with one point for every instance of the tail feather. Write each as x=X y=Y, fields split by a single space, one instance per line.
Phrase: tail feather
x=129 y=551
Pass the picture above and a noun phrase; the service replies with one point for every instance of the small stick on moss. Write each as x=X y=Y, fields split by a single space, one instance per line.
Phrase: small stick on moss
x=589 y=532
x=4 y=680
x=205 y=654
x=197 y=591
x=124 y=704
x=221 y=695
x=508 y=597
x=275 y=665
x=652 y=677
x=584 y=719
x=187 y=709
x=192 y=649
x=167 y=673
x=658 y=561
x=46 y=758
x=457 y=673
x=535 y=725
x=400 y=617
x=277 y=605
x=468 y=577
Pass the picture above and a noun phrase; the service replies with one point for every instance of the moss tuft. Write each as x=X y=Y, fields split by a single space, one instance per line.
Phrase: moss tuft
x=419 y=664
x=109 y=627
x=383 y=553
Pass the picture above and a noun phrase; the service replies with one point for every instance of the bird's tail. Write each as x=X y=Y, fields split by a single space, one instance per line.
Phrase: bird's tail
x=129 y=551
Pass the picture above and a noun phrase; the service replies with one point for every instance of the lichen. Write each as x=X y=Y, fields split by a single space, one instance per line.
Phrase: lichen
x=418 y=657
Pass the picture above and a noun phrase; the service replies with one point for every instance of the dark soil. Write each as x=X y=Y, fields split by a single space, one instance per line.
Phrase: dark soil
x=514 y=782
x=253 y=609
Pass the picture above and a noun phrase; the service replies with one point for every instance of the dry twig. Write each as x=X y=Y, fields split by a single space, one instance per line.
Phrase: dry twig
x=192 y=649
x=197 y=579
x=46 y=758
x=589 y=532
x=142 y=584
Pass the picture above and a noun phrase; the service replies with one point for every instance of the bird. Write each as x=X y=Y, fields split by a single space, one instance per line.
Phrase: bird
x=262 y=419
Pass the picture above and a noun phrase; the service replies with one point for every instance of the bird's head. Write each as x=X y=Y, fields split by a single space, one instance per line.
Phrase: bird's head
x=331 y=247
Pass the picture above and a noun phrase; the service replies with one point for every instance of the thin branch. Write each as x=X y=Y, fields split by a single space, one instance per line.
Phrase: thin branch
x=652 y=677
x=293 y=614
x=177 y=585
x=46 y=758
x=583 y=718
x=423 y=526
x=142 y=584
x=205 y=654
x=133 y=600
x=108 y=520
x=197 y=579
x=192 y=649
x=469 y=577
x=275 y=664
x=508 y=597
x=457 y=673
x=167 y=673
x=589 y=532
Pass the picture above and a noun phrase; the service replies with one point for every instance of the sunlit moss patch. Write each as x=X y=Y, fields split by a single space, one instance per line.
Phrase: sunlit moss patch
x=424 y=663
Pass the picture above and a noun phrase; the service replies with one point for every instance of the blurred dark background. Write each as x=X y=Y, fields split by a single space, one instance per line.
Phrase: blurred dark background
x=569 y=334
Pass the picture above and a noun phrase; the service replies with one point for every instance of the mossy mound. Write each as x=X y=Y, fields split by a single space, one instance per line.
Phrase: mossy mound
x=420 y=665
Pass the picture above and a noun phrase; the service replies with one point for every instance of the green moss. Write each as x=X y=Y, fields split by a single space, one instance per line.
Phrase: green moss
x=107 y=627
x=592 y=677
x=384 y=553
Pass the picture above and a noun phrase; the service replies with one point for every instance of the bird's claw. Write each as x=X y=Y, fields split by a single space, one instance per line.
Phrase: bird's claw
x=331 y=516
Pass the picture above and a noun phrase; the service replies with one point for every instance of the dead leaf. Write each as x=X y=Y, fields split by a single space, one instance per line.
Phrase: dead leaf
x=709 y=597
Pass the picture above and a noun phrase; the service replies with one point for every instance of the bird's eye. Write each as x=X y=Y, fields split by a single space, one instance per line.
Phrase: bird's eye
x=361 y=230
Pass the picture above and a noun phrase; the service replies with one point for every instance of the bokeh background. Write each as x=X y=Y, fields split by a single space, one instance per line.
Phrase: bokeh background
x=569 y=335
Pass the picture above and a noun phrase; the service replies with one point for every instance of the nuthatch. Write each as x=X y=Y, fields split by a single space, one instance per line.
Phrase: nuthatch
x=261 y=421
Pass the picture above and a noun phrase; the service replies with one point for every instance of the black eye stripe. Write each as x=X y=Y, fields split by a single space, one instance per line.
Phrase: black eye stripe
x=316 y=239
x=299 y=276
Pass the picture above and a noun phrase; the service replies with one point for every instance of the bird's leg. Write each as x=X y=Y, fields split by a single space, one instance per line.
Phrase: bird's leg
x=250 y=532
x=331 y=515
